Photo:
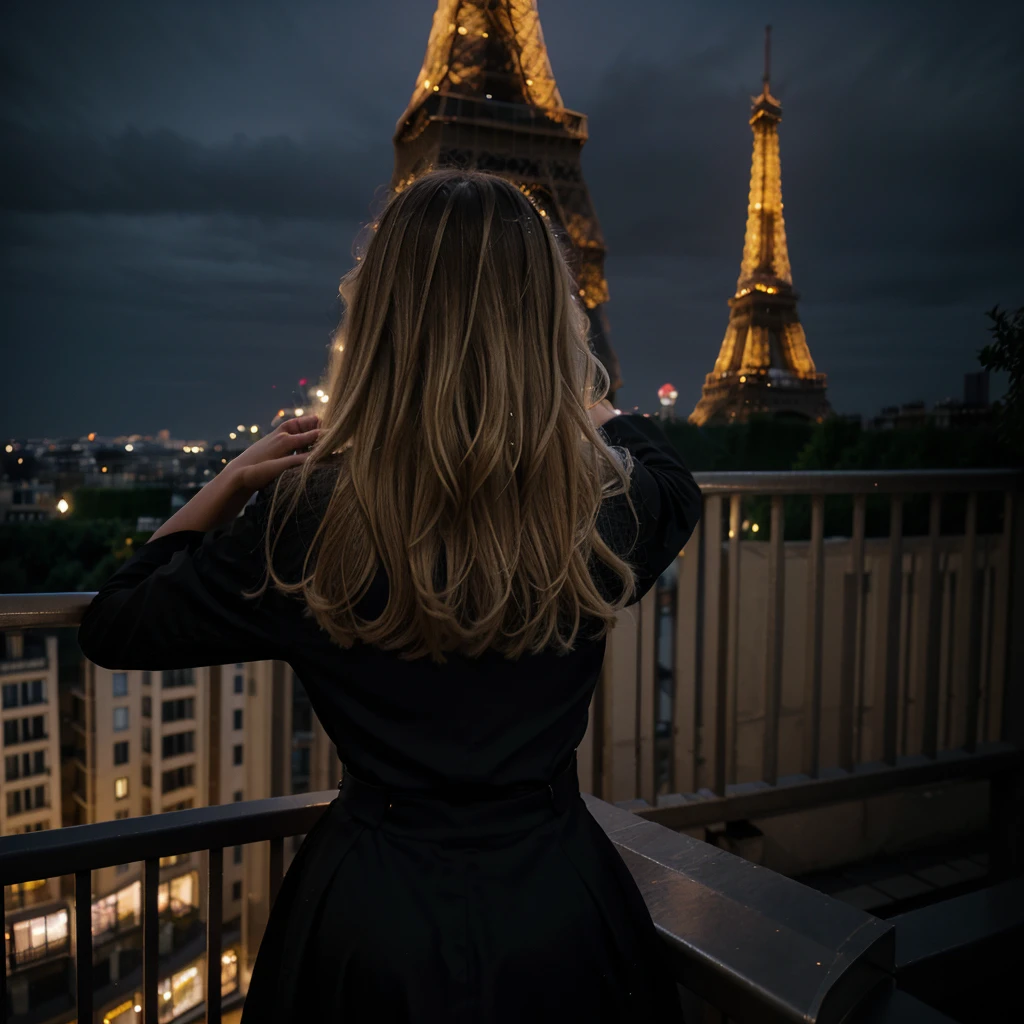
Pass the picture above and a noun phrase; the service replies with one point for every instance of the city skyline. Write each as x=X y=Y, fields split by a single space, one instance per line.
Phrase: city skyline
x=172 y=249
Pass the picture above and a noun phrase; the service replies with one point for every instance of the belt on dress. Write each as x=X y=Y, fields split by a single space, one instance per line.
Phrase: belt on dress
x=411 y=809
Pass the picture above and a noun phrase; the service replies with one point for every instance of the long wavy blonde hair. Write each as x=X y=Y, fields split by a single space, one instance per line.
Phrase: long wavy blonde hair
x=467 y=465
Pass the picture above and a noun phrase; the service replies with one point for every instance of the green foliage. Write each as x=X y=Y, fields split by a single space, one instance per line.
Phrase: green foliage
x=121 y=503
x=62 y=555
x=762 y=444
x=1005 y=354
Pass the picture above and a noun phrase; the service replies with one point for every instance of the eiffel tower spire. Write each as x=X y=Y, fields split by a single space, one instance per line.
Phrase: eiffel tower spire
x=486 y=99
x=764 y=364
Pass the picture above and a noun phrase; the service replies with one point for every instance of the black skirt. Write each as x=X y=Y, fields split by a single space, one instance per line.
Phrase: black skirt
x=420 y=910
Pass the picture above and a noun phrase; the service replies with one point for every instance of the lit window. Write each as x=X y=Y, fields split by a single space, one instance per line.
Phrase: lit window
x=121 y=787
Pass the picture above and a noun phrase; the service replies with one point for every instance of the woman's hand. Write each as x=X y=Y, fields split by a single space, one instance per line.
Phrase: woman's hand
x=263 y=462
x=601 y=412
x=223 y=498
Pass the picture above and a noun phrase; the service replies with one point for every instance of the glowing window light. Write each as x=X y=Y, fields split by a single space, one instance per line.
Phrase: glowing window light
x=754 y=527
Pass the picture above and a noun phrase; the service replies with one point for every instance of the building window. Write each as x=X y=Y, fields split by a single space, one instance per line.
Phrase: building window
x=38 y=937
x=239 y=683
x=147 y=707
x=120 y=910
x=33 y=692
x=147 y=678
x=120 y=681
x=178 y=710
x=236 y=890
x=238 y=796
x=238 y=718
x=14 y=802
x=147 y=740
x=11 y=694
x=11 y=768
x=10 y=732
x=121 y=752
x=120 y=719
x=177 y=677
x=177 y=778
x=238 y=854
x=121 y=787
x=147 y=775
x=38 y=762
x=236 y=754
x=179 y=743
x=120 y=816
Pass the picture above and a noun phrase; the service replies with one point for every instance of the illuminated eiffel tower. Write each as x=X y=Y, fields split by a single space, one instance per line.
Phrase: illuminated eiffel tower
x=764 y=365
x=486 y=100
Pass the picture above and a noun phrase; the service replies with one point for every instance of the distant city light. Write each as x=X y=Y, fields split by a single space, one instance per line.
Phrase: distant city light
x=299 y=412
x=254 y=429
x=323 y=398
x=319 y=392
x=754 y=527
x=129 y=447
x=302 y=382
x=20 y=461
x=9 y=448
x=232 y=435
x=63 y=506
x=240 y=428
x=91 y=437
x=103 y=469
x=186 y=449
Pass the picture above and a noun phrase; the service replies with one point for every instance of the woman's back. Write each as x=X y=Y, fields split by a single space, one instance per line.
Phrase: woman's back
x=444 y=600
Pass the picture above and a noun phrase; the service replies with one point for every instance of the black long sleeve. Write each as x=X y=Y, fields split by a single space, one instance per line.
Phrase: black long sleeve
x=179 y=602
x=666 y=499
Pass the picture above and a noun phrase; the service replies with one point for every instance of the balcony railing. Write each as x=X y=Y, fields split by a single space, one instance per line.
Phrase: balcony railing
x=753 y=944
x=767 y=674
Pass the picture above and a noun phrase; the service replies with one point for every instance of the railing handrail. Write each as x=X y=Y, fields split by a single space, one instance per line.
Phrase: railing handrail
x=758 y=945
x=880 y=481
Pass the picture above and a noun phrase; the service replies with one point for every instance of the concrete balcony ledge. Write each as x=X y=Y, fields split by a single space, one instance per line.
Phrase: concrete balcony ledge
x=754 y=944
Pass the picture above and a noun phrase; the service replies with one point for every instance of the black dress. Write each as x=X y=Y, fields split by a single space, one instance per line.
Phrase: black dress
x=458 y=876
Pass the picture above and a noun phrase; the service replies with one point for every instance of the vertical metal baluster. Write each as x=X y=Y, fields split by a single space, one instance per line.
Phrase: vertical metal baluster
x=999 y=678
x=276 y=867
x=773 y=652
x=150 y=941
x=732 y=658
x=714 y=704
x=815 y=620
x=890 y=716
x=689 y=645
x=647 y=695
x=83 y=943
x=853 y=603
x=967 y=625
x=214 y=916
x=932 y=619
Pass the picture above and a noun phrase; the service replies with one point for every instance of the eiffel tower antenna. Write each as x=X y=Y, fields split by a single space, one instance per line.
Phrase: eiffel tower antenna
x=767 y=56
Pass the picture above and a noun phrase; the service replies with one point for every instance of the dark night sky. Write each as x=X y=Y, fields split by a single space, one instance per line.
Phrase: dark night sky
x=182 y=181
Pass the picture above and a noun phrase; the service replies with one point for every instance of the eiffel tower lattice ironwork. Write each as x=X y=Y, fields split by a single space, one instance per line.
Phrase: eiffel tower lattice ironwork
x=764 y=365
x=486 y=99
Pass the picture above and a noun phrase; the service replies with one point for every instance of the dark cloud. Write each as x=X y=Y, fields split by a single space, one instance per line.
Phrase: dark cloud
x=182 y=185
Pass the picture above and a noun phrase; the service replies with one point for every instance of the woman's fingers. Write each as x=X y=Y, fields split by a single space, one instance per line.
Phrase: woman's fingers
x=300 y=424
x=289 y=442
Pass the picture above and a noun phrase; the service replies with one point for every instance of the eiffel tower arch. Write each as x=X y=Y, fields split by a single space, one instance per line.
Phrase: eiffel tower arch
x=486 y=99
